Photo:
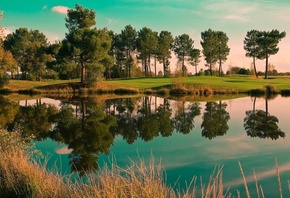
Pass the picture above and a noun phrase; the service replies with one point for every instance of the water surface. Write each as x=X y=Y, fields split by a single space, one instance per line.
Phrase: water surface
x=190 y=138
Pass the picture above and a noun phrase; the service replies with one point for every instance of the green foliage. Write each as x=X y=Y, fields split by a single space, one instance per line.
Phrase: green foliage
x=261 y=45
x=7 y=64
x=32 y=43
x=268 y=43
x=84 y=45
x=147 y=44
x=208 y=43
x=182 y=47
x=165 y=44
x=128 y=45
x=195 y=58
x=4 y=79
x=239 y=70
x=222 y=49
x=215 y=48
x=251 y=47
x=80 y=18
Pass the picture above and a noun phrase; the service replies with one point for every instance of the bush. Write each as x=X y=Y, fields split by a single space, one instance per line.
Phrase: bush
x=4 y=80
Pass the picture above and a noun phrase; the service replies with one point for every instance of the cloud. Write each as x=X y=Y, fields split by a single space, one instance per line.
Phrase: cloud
x=63 y=151
x=110 y=21
x=230 y=10
x=236 y=18
x=60 y=9
x=44 y=7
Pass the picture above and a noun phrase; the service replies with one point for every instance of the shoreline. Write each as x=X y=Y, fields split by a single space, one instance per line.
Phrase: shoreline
x=187 y=86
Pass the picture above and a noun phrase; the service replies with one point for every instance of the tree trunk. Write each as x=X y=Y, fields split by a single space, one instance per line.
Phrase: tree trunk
x=164 y=67
x=210 y=64
x=183 y=65
x=255 y=69
x=254 y=105
x=195 y=64
x=266 y=69
x=266 y=109
x=145 y=66
x=155 y=65
x=83 y=73
x=220 y=68
x=149 y=65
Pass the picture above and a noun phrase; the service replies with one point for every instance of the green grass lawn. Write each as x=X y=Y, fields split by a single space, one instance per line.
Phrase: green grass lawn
x=237 y=82
x=240 y=83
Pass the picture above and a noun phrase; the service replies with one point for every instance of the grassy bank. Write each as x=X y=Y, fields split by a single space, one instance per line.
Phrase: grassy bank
x=201 y=85
x=22 y=177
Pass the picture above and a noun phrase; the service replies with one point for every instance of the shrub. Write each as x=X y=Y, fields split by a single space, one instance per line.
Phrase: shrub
x=4 y=80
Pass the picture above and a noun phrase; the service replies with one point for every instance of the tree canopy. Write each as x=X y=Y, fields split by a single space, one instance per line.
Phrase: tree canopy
x=268 y=42
x=29 y=48
x=251 y=47
x=182 y=47
x=215 y=48
x=85 y=45
x=164 y=47
x=261 y=45
x=147 y=45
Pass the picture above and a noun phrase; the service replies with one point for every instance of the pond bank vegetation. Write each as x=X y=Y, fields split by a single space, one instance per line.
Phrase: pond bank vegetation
x=20 y=176
x=191 y=86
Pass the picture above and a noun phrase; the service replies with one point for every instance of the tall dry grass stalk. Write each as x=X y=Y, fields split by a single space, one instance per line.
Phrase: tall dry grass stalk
x=262 y=191
x=244 y=180
x=278 y=177
x=256 y=183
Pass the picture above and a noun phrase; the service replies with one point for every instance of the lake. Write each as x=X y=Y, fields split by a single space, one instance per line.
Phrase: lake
x=190 y=138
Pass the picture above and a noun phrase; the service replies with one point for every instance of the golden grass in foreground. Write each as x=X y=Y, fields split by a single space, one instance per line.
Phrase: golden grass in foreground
x=21 y=177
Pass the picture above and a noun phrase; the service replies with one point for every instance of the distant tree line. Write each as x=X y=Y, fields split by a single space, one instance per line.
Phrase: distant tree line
x=91 y=53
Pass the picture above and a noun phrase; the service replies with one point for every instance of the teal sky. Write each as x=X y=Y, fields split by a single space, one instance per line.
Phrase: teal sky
x=234 y=17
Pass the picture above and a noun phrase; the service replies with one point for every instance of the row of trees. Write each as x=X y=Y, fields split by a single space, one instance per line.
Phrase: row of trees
x=89 y=53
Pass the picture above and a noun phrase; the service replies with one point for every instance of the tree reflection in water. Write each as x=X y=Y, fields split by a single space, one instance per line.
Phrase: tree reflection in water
x=89 y=127
x=215 y=120
x=259 y=123
x=34 y=120
x=87 y=135
x=8 y=111
x=184 y=118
